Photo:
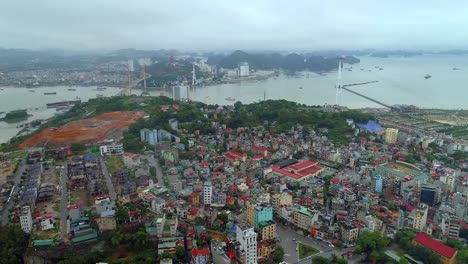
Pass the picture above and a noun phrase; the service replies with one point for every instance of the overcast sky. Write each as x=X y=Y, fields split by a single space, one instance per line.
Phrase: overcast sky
x=236 y=24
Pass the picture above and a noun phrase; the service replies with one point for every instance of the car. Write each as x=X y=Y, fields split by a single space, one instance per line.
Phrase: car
x=331 y=245
x=294 y=239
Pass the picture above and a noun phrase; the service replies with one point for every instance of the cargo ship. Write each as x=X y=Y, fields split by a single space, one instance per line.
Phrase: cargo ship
x=63 y=103
x=50 y=93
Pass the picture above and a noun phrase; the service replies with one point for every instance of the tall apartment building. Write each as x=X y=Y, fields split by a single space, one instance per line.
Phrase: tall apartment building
x=257 y=213
x=420 y=216
x=207 y=192
x=149 y=136
x=429 y=194
x=304 y=217
x=450 y=225
x=247 y=239
x=26 y=219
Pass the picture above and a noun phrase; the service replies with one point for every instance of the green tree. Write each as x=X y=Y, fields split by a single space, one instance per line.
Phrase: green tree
x=462 y=256
x=180 y=252
x=278 y=255
x=403 y=260
x=404 y=238
x=77 y=147
x=13 y=242
x=371 y=243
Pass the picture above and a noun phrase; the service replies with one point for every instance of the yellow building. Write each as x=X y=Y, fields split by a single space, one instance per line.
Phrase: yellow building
x=447 y=254
x=250 y=214
x=420 y=217
x=267 y=230
x=391 y=135
x=349 y=232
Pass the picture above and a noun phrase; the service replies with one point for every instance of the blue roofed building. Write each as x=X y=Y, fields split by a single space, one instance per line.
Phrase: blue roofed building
x=372 y=127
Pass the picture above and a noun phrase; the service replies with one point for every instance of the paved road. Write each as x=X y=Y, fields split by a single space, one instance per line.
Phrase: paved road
x=16 y=180
x=110 y=186
x=63 y=201
x=159 y=174
x=288 y=242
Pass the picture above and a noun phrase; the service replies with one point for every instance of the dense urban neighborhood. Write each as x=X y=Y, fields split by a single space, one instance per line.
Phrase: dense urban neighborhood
x=269 y=182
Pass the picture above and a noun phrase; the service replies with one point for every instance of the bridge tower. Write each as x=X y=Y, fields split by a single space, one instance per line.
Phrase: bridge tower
x=194 y=76
x=130 y=77
x=339 y=84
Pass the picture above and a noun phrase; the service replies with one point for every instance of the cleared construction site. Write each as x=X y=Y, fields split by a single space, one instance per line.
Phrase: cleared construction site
x=86 y=131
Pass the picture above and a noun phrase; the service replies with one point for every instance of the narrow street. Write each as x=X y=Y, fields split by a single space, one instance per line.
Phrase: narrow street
x=5 y=214
x=108 y=178
x=63 y=201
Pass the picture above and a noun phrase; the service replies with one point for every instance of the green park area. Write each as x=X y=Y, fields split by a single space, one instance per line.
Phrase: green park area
x=306 y=251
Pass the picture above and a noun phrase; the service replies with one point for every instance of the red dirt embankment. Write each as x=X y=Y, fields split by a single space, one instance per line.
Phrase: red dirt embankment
x=87 y=131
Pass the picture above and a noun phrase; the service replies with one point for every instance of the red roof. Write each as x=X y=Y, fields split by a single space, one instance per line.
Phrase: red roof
x=302 y=165
x=237 y=154
x=259 y=148
x=202 y=252
x=435 y=245
x=133 y=213
x=257 y=157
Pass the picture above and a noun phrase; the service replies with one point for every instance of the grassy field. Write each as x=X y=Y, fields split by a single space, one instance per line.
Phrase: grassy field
x=114 y=164
x=306 y=251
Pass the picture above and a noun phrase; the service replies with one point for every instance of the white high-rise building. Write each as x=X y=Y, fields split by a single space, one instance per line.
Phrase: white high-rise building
x=247 y=239
x=26 y=219
x=150 y=136
x=244 y=70
x=207 y=192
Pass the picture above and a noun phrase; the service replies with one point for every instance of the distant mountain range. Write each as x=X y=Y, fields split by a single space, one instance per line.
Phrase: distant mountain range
x=273 y=61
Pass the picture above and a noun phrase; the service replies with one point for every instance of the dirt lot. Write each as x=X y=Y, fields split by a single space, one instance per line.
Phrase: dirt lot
x=92 y=130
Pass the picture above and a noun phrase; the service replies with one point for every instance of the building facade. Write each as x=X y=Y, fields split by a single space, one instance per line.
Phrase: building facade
x=207 y=192
x=391 y=135
x=247 y=239
x=26 y=219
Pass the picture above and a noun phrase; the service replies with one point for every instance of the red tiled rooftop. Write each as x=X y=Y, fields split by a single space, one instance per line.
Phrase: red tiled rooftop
x=259 y=148
x=435 y=245
x=202 y=252
x=302 y=165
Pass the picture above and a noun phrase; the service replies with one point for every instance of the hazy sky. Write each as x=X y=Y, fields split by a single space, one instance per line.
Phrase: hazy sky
x=236 y=24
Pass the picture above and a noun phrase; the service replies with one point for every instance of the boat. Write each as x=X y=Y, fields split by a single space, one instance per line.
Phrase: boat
x=99 y=96
x=63 y=103
x=300 y=87
x=381 y=69
x=71 y=89
x=50 y=93
x=455 y=69
x=32 y=91
x=427 y=76
x=230 y=99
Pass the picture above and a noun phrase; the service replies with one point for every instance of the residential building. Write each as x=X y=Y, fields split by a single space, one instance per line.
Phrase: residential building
x=429 y=194
x=420 y=217
x=447 y=254
x=173 y=124
x=450 y=225
x=207 y=192
x=26 y=219
x=349 y=232
x=244 y=70
x=257 y=213
x=149 y=136
x=111 y=150
x=304 y=217
x=247 y=239
x=200 y=256
x=267 y=230
x=391 y=135
x=279 y=200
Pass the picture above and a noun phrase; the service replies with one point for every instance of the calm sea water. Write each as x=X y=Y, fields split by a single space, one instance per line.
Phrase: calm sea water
x=401 y=81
